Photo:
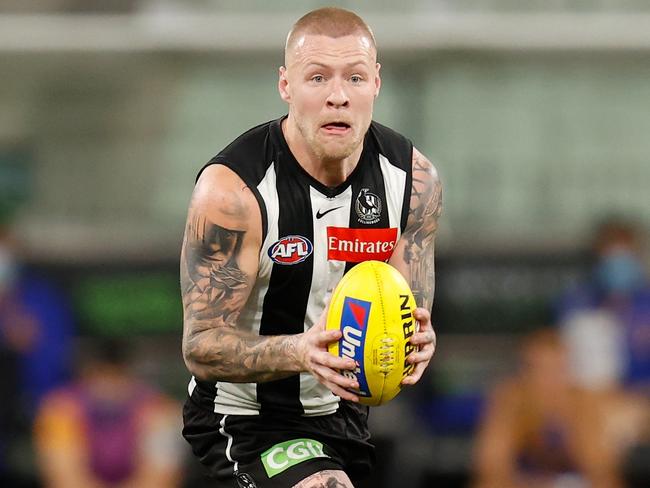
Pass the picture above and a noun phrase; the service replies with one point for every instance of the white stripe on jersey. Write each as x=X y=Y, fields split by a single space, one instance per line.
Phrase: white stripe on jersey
x=241 y=398
x=269 y=192
x=316 y=398
x=394 y=179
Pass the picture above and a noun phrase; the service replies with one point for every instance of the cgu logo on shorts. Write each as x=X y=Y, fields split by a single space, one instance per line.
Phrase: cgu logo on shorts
x=290 y=250
x=358 y=245
x=286 y=454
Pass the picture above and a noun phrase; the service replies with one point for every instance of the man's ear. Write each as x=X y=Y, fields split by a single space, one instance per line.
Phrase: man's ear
x=283 y=84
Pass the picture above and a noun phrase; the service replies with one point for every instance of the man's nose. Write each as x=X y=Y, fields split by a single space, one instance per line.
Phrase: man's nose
x=338 y=97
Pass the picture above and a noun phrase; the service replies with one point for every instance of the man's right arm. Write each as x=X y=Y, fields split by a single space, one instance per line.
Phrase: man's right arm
x=219 y=262
x=219 y=265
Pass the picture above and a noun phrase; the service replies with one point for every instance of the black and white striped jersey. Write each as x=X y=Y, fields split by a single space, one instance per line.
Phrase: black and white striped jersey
x=312 y=235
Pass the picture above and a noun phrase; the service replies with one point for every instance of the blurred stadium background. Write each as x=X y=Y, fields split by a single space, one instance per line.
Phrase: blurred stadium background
x=537 y=113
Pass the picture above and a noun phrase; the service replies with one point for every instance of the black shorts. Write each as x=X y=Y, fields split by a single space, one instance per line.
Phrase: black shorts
x=279 y=451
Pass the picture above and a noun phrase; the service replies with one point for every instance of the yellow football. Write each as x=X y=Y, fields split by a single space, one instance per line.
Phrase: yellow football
x=373 y=307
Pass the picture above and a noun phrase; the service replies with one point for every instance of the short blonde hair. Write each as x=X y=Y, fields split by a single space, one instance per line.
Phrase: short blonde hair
x=331 y=22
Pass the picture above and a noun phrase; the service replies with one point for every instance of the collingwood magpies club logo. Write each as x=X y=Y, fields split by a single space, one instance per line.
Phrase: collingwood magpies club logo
x=368 y=207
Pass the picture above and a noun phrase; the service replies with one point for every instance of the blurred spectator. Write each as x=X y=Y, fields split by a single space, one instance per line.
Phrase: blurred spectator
x=614 y=302
x=35 y=336
x=540 y=430
x=108 y=430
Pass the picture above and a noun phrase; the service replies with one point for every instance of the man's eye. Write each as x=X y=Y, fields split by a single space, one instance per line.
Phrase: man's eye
x=356 y=79
x=318 y=78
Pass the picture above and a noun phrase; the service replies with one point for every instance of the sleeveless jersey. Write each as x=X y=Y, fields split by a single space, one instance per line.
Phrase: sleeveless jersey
x=312 y=234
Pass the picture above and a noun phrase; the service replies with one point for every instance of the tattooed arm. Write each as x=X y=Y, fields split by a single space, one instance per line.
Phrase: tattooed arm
x=219 y=263
x=413 y=256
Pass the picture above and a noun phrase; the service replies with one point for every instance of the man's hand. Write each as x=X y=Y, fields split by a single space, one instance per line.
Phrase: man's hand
x=425 y=339
x=315 y=358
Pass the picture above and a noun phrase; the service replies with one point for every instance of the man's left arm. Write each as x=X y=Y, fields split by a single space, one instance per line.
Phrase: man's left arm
x=413 y=257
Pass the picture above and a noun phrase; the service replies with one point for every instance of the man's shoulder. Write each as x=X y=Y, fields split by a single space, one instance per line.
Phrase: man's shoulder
x=250 y=154
x=259 y=133
x=252 y=141
x=384 y=132
x=397 y=148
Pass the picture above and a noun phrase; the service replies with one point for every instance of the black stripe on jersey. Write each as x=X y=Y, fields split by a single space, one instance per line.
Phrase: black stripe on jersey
x=285 y=302
x=371 y=180
x=408 y=188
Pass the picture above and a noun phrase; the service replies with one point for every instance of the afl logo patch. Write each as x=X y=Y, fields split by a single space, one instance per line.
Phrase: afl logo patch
x=368 y=207
x=290 y=250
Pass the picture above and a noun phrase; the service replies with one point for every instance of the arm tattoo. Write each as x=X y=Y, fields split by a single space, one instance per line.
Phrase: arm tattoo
x=425 y=209
x=215 y=289
x=215 y=286
x=326 y=479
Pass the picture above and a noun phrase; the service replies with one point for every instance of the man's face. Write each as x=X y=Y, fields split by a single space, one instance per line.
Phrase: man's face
x=330 y=85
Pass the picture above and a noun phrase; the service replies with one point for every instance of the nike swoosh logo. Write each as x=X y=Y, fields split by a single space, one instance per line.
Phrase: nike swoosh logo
x=319 y=214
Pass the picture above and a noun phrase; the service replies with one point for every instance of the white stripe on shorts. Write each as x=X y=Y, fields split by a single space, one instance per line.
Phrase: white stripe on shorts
x=223 y=432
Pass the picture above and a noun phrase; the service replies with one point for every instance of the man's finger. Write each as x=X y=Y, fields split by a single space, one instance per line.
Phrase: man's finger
x=422 y=314
x=335 y=362
x=415 y=376
x=418 y=357
x=344 y=394
x=423 y=338
x=327 y=337
x=338 y=384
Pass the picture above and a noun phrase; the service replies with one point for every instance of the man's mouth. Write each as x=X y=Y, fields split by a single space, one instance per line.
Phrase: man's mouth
x=336 y=127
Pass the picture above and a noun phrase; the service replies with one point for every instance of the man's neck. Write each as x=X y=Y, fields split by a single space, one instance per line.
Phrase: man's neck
x=330 y=173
